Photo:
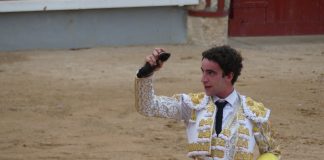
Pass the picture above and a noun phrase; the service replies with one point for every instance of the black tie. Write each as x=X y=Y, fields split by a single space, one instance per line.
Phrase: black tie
x=219 y=115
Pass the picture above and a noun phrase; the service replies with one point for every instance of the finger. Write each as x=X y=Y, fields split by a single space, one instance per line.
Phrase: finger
x=151 y=60
x=162 y=49
x=158 y=51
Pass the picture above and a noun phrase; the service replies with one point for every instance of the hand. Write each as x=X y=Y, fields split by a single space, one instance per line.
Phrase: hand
x=152 y=59
x=153 y=62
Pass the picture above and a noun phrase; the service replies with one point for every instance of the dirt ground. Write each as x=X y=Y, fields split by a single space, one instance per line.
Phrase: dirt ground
x=79 y=104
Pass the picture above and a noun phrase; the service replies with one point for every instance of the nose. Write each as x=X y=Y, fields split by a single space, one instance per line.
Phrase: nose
x=203 y=78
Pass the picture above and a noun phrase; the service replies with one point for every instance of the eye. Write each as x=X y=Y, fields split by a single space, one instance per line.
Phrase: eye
x=211 y=73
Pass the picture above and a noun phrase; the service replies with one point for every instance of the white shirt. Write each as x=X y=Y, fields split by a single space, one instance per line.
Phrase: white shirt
x=229 y=107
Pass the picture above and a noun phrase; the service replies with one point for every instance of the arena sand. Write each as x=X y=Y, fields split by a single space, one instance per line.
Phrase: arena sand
x=79 y=104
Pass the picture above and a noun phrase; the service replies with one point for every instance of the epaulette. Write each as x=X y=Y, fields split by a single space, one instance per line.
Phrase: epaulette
x=255 y=111
x=196 y=98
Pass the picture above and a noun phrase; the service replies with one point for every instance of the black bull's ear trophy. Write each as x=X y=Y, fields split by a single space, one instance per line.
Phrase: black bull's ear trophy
x=147 y=69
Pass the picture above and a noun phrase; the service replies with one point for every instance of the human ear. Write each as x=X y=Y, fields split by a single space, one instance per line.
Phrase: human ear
x=229 y=76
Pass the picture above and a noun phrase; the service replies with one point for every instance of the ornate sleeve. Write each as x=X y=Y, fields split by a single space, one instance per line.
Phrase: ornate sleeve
x=264 y=136
x=148 y=104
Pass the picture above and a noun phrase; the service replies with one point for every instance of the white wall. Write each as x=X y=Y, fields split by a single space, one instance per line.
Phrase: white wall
x=47 y=5
x=92 y=27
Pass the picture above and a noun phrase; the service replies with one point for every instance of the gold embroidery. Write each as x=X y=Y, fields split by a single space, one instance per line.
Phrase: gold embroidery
x=256 y=107
x=210 y=108
x=208 y=121
x=193 y=115
x=243 y=143
x=218 y=142
x=217 y=153
x=256 y=129
x=243 y=156
x=197 y=97
x=198 y=147
x=205 y=134
x=249 y=101
x=265 y=140
x=226 y=132
x=243 y=130
x=241 y=117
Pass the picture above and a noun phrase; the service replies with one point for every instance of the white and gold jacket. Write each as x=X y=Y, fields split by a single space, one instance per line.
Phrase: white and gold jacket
x=246 y=127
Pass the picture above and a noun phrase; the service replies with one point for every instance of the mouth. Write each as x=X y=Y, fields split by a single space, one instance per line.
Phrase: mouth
x=207 y=87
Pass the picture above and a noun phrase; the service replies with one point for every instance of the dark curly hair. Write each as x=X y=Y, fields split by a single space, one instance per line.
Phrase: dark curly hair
x=229 y=59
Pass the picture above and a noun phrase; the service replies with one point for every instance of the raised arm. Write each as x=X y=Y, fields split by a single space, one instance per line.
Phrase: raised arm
x=148 y=104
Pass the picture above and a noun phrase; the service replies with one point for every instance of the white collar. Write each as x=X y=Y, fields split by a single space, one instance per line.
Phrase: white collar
x=231 y=98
